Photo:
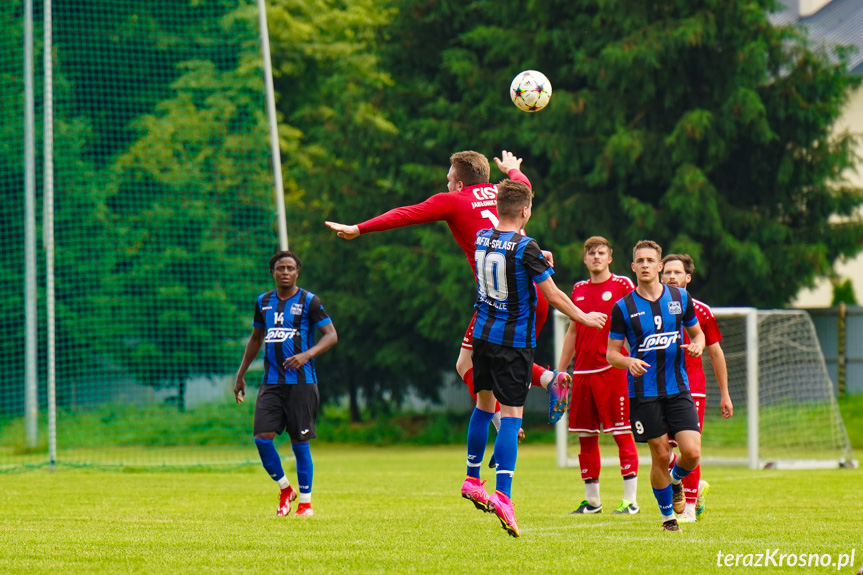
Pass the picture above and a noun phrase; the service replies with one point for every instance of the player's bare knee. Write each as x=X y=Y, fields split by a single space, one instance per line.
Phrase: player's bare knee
x=692 y=454
x=661 y=453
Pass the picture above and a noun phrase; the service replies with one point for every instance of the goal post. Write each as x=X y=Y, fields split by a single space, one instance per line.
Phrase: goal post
x=785 y=409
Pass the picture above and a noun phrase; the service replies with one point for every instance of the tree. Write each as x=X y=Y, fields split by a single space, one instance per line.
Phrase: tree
x=693 y=122
x=188 y=201
x=389 y=319
x=80 y=232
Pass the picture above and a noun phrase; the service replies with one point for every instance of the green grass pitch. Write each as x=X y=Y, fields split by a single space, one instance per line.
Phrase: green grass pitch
x=398 y=510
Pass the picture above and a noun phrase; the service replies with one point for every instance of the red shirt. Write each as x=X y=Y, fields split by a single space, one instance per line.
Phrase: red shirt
x=591 y=343
x=466 y=212
x=694 y=367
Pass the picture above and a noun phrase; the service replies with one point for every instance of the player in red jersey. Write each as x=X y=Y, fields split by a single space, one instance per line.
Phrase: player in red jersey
x=600 y=393
x=677 y=271
x=468 y=206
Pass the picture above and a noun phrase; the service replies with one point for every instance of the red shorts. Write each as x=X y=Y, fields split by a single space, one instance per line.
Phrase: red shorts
x=541 y=316
x=600 y=401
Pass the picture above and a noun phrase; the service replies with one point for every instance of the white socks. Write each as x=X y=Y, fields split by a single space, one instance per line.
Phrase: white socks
x=591 y=491
x=630 y=489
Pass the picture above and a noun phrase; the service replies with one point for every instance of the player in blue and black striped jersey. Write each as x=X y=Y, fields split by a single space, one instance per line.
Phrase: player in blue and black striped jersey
x=508 y=265
x=652 y=319
x=285 y=322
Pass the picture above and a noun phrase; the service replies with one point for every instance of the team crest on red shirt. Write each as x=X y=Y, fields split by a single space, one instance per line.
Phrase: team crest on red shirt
x=606 y=296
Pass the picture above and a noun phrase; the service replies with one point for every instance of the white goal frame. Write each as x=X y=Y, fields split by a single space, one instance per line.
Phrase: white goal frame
x=753 y=459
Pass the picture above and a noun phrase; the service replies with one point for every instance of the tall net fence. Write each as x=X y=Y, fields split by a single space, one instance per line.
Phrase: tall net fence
x=164 y=223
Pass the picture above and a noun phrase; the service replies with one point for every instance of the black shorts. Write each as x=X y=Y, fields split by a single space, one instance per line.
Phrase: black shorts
x=287 y=407
x=653 y=417
x=506 y=371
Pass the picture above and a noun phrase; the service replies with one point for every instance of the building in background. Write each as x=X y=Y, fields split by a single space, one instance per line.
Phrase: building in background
x=834 y=22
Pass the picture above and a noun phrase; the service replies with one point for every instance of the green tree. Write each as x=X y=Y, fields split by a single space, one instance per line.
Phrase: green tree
x=12 y=203
x=188 y=204
x=80 y=231
x=692 y=122
x=389 y=319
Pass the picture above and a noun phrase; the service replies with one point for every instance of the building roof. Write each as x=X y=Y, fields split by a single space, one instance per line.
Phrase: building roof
x=840 y=22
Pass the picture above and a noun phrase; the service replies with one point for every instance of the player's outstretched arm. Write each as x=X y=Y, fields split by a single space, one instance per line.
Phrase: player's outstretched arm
x=507 y=161
x=720 y=369
x=561 y=302
x=344 y=230
x=252 y=349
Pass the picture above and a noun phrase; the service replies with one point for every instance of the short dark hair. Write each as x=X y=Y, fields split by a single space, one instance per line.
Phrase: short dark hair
x=512 y=196
x=594 y=242
x=470 y=168
x=685 y=259
x=642 y=244
x=284 y=254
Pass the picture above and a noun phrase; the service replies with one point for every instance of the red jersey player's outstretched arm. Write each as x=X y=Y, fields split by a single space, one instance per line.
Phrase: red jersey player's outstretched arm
x=344 y=230
x=439 y=207
x=434 y=209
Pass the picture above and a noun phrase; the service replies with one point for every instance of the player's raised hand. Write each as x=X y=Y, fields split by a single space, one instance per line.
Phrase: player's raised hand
x=507 y=161
x=637 y=366
x=549 y=256
x=240 y=389
x=343 y=230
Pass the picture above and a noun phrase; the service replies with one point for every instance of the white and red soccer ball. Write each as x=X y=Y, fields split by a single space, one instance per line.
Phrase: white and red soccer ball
x=530 y=91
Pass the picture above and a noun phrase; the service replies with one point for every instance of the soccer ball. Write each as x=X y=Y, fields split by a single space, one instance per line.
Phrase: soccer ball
x=530 y=91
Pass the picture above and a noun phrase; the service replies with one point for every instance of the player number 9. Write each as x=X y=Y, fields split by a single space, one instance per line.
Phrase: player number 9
x=639 y=427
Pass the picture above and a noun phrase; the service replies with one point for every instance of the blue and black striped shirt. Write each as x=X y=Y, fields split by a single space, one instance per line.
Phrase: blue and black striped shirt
x=654 y=330
x=507 y=265
x=290 y=329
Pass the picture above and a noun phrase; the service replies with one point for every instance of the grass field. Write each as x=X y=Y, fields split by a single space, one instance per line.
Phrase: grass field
x=397 y=510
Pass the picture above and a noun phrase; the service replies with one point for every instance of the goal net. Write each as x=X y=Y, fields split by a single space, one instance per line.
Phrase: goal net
x=785 y=410
x=164 y=221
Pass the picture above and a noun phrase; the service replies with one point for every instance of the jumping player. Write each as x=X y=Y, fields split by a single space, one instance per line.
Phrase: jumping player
x=600 y=396
x=467 y=207
x=677 y=271
x=504 y=339
x=652 y=319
